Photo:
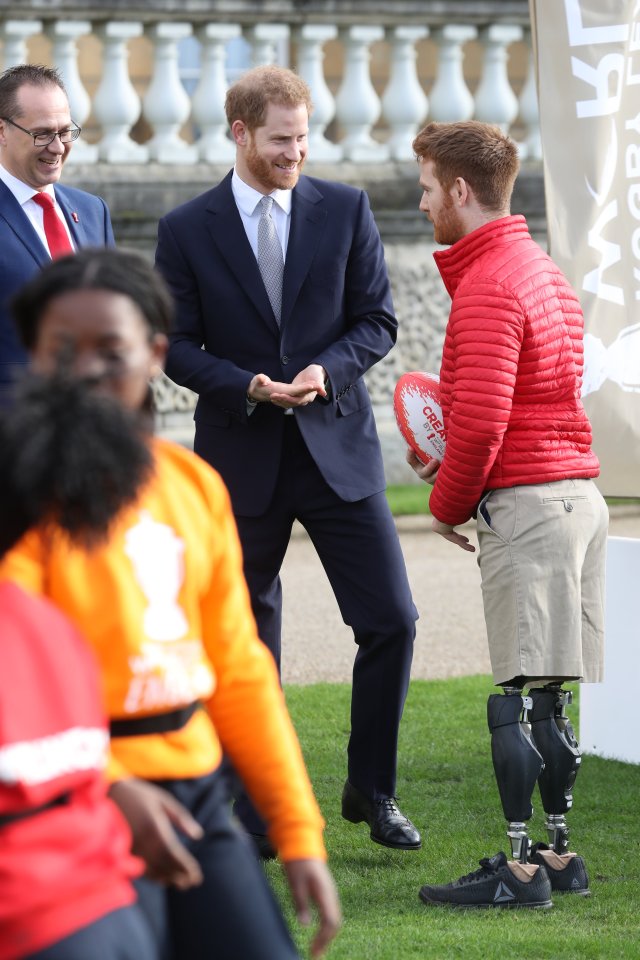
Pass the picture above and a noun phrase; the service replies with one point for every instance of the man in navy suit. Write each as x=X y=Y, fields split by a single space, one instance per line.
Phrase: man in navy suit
x=36 y=135
x=283 y=410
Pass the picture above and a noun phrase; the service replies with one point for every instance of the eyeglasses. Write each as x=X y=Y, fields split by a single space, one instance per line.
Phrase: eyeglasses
x=48 y=136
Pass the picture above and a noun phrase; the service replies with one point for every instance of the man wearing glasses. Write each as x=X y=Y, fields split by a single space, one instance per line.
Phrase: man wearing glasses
x=37 y=220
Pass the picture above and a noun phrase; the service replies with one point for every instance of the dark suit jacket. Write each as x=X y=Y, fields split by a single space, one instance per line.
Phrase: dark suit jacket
x=336 y=311
x=22 y=254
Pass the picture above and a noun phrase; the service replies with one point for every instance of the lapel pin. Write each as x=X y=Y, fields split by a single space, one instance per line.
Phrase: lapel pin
x=74 y=217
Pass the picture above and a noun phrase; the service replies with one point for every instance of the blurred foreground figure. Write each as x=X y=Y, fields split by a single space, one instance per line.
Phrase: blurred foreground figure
x=165 y=607
x=72 y=460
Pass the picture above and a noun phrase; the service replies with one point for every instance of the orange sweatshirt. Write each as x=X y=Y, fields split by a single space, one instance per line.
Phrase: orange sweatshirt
x=165 y=606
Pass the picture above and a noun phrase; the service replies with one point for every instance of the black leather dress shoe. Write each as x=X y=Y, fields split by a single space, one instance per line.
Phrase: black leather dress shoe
x=263 y=847
x=388 y=824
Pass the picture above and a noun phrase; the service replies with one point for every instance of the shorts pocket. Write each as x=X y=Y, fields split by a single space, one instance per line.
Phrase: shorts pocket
x=496 y=515
x=567 y=502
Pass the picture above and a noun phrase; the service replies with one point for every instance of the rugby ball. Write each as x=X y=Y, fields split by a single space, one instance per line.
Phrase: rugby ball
x=416 y=404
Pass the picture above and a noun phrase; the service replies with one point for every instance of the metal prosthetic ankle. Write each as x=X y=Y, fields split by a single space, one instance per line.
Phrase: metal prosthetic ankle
x=553 y=736
x=516 y=762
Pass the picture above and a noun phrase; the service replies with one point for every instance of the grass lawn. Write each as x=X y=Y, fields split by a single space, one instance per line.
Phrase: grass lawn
x=446 y=786
x=410 y=499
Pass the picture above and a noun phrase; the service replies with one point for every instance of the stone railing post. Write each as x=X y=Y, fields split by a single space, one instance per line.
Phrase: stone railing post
x=165 y=104
x=116 y=105
x=208 y=100
x=14 y=35
x=358 y=105
x=404 y=103
x=450 y=98
x=310 y=40
x=63 y=35
x=495 y=101
x=265 y=39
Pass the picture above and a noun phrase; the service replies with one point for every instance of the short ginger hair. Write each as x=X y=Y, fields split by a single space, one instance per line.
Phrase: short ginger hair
x=248 y=98
x=480 y=153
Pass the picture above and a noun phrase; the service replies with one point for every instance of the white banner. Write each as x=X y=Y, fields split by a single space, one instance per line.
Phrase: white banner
x=588 y=70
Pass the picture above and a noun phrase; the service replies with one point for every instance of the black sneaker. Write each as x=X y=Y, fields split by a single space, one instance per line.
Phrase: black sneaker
x=567 y=873
x=493 y=885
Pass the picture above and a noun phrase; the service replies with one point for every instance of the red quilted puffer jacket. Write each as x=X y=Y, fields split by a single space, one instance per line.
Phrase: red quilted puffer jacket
x=511 y=370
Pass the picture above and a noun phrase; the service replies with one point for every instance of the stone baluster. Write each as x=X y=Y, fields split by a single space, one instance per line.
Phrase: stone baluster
x=531 y=147
x=63 y=35
x=495 y=101
x=116 y=105
x=165 y=104
x=207 y=103
x=265 y=39
x=310 y=40
x=450 y=99
x=357 y=104
x=404 y=104
x=14 y=35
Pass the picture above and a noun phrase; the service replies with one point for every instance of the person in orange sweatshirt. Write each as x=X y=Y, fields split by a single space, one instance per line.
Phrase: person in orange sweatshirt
x=65 y=849
x=165 y=607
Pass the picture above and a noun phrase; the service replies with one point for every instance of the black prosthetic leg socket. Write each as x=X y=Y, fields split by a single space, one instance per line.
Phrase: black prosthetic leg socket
x=553 y=735
x=516 y=761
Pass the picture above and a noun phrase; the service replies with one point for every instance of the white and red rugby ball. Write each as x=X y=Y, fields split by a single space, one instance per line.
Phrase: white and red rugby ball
x=416 y=404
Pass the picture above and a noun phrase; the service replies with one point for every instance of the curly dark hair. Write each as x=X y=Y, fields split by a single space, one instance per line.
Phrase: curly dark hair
x=69 y=457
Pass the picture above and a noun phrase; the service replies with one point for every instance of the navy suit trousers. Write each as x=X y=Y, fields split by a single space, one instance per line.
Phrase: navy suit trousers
x=358 y=546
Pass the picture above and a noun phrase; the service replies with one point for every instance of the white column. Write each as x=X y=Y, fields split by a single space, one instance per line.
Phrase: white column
x=357 y=104
x=450 y=99
x=265 y=38
x=404 y=104
x=116 y=105
x=14 y=35
x=165 y=104
x=531 y=147
x=310 y=40
x=63 y=34
x=208 y=100
x=495 y=100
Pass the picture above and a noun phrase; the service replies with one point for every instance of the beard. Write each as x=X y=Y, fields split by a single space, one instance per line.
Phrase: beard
x=270 y=176
x=448 y=230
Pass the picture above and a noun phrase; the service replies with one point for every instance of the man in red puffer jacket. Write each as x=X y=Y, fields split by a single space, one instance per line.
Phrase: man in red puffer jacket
x=518 y=457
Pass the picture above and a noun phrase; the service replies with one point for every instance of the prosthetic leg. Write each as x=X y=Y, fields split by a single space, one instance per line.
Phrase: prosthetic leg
x=516 y=762
x=501 y=882
x=553 y=735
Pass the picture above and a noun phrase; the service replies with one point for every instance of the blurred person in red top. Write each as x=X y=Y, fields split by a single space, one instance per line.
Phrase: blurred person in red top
x=518 y=457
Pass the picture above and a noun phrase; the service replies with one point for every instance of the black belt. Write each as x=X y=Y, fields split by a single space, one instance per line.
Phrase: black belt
x=6 y=818
x=159 y=723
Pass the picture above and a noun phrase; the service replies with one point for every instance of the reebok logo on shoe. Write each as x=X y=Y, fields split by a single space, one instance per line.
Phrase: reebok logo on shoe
x=503 y=894
x=496 y=885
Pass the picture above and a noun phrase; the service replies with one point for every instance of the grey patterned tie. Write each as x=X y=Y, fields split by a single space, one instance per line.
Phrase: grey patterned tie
x=270 y=259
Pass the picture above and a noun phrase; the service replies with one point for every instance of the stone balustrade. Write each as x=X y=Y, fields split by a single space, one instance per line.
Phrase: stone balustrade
x=365 y=113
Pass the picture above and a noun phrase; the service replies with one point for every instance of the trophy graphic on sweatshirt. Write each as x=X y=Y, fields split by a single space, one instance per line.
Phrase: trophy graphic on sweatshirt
x=157 y=556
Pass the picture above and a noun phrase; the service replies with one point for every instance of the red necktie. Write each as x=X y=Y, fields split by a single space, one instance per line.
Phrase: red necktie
x=57 y=237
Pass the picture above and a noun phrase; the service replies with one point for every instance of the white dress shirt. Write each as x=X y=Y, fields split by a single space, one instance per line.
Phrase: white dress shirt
x=23 y=194
x=248 y=203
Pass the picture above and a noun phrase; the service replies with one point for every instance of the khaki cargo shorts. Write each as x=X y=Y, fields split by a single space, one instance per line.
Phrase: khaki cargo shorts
x=542 y=565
